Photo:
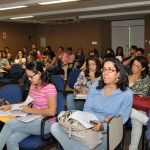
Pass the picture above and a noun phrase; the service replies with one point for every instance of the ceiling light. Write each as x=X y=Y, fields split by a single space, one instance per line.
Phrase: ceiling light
x=22 y=17
x=14 y=7
x=56 y=1
x=114 y=14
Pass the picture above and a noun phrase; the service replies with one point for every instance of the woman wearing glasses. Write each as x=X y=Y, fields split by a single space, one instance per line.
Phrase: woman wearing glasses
x=44 y=103
x=110 y=97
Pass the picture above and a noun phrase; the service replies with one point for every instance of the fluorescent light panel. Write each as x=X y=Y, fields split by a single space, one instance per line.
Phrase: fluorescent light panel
x=56 y=1
x=14 y=7
x=22 y=17
x=114 y=14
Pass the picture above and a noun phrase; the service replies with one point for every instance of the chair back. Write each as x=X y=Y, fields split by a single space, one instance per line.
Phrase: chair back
x=114 y=132
x=148 y=94
x=12 y=93
x=127 y=69
x=73 y=77
x=59 y=82
x=16 y=71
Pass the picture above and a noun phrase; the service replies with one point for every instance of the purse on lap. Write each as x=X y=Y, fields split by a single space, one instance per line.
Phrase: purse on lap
x=75 y=129
x=141 y=103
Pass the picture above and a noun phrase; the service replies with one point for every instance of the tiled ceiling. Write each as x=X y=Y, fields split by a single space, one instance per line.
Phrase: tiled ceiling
x=75 y=11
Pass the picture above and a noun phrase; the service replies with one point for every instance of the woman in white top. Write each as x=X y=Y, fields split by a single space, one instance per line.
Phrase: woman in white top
x=20 y=59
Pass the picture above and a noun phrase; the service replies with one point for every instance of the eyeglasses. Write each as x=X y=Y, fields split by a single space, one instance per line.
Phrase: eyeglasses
x=108 y=70
x=31 y=76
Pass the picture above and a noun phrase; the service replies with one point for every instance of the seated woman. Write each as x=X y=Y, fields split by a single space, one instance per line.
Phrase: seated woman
x=139 y=81
x=79 y=58
x=4 y=64
x=43 y=93
x=92 y=52
x=20 y=59
x=84 y=82
x=108 y=98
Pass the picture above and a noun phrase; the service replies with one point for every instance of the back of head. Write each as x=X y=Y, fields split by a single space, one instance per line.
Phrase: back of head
x=141 y=50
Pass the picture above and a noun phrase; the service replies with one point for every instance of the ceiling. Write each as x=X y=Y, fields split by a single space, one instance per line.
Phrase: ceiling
x=75 y=11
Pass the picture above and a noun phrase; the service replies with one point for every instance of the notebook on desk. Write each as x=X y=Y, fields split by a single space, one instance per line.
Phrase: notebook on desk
x=80 y=96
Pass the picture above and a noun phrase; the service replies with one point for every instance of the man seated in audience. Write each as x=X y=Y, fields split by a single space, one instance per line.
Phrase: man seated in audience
x=68 y=57
x=135 y=52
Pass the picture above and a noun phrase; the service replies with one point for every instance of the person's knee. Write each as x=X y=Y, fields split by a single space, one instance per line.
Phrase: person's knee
x=70 y=102
x=54 y=128
x=11 y=123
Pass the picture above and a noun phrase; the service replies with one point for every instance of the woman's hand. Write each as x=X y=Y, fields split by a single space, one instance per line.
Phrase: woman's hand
x=84 y=91
x=98 y=127
x=106 y=119
x=92 y=75
x=26 y=108
x=5 y=107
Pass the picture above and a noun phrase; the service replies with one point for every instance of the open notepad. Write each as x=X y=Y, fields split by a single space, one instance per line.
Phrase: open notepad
x=80 y=96
x=28 y=118
x=84 y=118
x=16 y=110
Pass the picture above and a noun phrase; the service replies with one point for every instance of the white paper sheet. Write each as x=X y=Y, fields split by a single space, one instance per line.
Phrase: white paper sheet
x=84 y=118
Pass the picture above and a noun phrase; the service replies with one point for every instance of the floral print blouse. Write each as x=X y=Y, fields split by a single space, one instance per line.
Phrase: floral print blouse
x=84 y=82
x=141 y=86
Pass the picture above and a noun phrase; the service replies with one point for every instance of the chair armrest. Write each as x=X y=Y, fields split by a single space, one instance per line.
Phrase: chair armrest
x=43 y=136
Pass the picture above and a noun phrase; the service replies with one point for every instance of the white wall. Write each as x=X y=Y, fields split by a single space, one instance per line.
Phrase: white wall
x=127 y=33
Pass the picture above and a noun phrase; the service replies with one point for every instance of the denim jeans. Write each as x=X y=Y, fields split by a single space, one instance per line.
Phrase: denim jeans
x=73 y=144
x=14 y=131
x=73 y=104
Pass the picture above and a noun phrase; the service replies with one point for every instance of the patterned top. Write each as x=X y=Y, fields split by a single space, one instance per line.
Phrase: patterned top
x=84 y=82
x=141 y=86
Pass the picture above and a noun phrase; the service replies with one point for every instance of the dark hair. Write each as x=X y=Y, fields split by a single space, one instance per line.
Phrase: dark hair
x=121 y=54
x=49 y=47
x=140 y=50
x=143 y=61
x=61 y=48
x=20 y=51
x=94 y=50
x=33 y=54
x=122 y=82
x=134 y=47
x=69 y=48
x=98 y=66
x=36 y=67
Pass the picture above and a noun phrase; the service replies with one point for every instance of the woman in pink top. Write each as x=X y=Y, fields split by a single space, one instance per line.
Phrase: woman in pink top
x=44 y=103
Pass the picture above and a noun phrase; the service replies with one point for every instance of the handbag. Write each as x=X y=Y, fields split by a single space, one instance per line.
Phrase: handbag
x=75 y=129
x=141 y=103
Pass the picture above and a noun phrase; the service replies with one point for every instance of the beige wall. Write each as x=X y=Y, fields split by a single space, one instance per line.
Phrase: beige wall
x=77 y=34
x=17 y=36
x=74 y=35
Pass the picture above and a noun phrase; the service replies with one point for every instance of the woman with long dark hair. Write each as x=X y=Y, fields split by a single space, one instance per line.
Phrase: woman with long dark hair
x=110 y=97
x=44 y=103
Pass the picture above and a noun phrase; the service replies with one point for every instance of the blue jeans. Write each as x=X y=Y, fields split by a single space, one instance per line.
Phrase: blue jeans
x=73 y=144
x=14 y=131
x=73 y=104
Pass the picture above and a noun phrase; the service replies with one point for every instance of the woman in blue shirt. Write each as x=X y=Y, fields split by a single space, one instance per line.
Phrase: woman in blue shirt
x=110 y=97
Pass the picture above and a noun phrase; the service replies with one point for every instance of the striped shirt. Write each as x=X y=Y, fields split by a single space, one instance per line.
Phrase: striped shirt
x=40 y=96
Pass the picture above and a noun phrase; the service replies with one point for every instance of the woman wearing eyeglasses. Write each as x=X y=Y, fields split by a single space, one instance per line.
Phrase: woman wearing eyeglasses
x=110 y=97
x=44 y=103
x=139 y=82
